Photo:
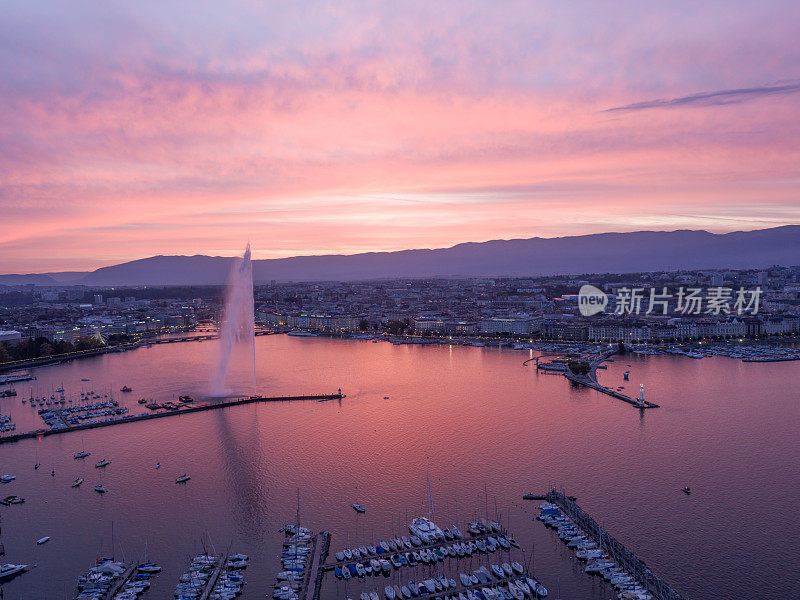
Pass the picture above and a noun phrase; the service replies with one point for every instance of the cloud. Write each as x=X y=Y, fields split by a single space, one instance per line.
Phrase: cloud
x=712 y=98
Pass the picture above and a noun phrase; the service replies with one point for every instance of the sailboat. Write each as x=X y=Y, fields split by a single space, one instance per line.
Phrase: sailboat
x=148 y=567
x=77 y=482
x=83 y=453
x=100 y=488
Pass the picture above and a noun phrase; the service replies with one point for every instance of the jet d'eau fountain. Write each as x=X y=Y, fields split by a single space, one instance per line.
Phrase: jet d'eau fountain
x=238 y=324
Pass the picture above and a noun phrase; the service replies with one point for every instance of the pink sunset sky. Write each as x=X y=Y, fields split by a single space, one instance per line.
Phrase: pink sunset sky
x=139 y=128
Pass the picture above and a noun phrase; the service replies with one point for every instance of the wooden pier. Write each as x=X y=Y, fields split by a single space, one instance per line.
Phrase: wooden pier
x=624 y=558
x=169 y=413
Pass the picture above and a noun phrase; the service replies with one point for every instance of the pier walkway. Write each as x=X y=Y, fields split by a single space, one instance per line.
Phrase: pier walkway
x=212 y=581
x=313 y=576
x=115 y=589
x=590 y=380
x=624 y=558
x=169 y=413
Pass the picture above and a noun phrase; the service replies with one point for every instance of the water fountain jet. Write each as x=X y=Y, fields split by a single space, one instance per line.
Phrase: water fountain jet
x=238 y=324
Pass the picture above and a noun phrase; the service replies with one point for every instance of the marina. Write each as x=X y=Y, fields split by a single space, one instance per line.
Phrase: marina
x=440 y=563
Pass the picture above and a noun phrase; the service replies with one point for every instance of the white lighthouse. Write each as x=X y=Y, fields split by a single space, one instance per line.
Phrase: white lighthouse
x=641 y=394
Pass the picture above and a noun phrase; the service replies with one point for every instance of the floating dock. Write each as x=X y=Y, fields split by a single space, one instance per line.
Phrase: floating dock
x=158 y=415
x=627 y=560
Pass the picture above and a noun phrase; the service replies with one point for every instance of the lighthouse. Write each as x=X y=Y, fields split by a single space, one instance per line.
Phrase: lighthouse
x=641 y=394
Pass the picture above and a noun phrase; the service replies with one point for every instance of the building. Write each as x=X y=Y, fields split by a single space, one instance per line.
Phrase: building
x=444 y=326
x=10 y=337
x=500 y=325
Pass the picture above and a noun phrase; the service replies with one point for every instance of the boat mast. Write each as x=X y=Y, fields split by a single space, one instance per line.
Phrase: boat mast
x=430 y=500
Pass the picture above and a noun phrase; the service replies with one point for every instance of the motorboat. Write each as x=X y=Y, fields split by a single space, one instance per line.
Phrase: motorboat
x=7 y=478
x=8 y=571
x=149 y=567
x=426 y=530
x=358 y=508
x=389 y=592
x=43 y=540
x=182 y=479
x=77 y=482
x=100 y=489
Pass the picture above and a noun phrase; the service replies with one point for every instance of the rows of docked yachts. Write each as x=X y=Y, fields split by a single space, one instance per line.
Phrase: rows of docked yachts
x=228 y=584
x=429 y=545
x=294 y=560
x=586 y=549
x=97 y=582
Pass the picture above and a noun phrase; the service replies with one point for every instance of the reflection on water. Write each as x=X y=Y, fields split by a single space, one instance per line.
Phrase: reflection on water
x=486 y=428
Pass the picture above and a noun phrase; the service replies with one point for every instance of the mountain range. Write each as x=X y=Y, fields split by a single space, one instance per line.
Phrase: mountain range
x=597 y=253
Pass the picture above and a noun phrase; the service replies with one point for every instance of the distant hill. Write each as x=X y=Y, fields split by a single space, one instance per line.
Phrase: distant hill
x=27 y=280
x=598 y=253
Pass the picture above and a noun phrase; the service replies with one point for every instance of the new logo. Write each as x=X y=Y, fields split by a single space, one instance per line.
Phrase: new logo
x=591 y=300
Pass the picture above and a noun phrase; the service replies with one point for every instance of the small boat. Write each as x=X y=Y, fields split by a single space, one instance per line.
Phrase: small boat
x=53 y=473
x=81 y=454
x=100 y=489
x=85 y=379
x=182 y=479
x=358 y=508
x=158 y=465
x=103 y=463
x=125 y=388
x=12 y=500
x=77 y=482
x=43 y=540
x=686 y=490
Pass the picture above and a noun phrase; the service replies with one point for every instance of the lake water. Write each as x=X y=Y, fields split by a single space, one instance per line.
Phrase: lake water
x=485 y=427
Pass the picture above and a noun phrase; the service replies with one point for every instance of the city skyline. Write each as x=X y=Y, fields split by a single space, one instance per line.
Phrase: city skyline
x=162 y=131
